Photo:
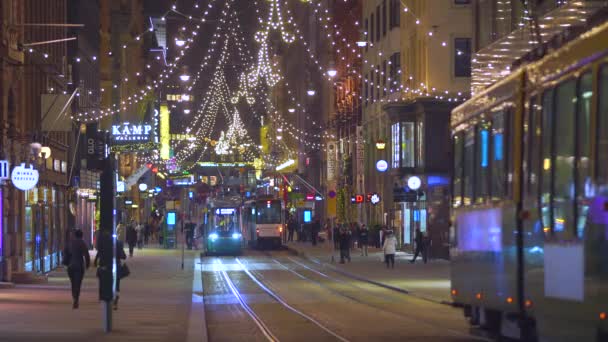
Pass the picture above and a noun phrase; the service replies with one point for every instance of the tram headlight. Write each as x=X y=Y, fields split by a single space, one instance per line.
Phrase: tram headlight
x=236 y=235
x=213 y=236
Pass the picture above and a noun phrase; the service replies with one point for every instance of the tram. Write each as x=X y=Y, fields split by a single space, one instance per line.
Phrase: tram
x=223 y=229
x=529 y=244
x=263 y=221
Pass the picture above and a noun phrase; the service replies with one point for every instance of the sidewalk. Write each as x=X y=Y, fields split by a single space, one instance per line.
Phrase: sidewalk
x=430 y=281
x=157 y=303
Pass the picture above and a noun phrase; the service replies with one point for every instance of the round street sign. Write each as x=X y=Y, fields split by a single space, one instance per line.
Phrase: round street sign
x=414 y=182
x=381 y=165
x=332 y=194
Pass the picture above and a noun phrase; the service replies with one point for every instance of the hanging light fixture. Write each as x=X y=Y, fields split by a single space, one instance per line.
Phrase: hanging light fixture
x=362 y=42
x=331 y=71
x=311 y=92
x=184 y=76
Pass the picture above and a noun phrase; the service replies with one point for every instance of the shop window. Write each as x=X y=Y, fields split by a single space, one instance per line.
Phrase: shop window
x=371 y=85
x=396 y=157
x=378 y=82
x=458 y=170
x=371 y=28
x=366 y=89
x=367 y=34
x=563 y=182
x=407 y=144
x=420 y=144
x=384 y=77
x=394 y=70
x=378 y=23
x=462 y=57
x=384 y=17
x=469 y=166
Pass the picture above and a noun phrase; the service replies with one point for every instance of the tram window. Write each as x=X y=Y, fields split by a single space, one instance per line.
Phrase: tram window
x=458 y=169
x=482 y=172
x=498 y=157
x=547 y=147
x=583 y=182
x=469 y=166
x=602 y=144
x=533 y=146
x=563 y=182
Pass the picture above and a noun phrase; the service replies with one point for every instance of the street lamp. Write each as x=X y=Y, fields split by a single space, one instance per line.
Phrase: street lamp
x=332 y=72
x=311 y=92
x=184 y=76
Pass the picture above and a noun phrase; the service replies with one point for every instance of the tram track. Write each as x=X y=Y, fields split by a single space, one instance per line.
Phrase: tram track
x=241 y=289
x=358 y=299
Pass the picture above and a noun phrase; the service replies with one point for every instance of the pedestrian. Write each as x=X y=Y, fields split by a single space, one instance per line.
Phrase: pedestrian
x=131 y=238
x=147 y=233
x=291 y=227
x=140 y=235
x=76 y=258
x=314 y=231
x=336 y=235
x=104 y=253
x=345 y=236
x=420 y=246
x=363 y=239
x=390 y=248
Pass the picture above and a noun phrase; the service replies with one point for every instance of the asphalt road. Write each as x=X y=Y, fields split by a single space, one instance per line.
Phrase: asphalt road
x=274 y=296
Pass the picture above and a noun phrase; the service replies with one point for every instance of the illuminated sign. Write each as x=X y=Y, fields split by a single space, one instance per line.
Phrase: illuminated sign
x=357 y=199
x=171 y=218
x=120 y=186
x=380 y=145
x=165 y=134
x=129 y=133
x=375 y=199
x=128 y=202
x=307 y=216
x=224 y=211
x=414 y=183
x=24 y=178
x=310 y=197
x=4 y=170
x=381 y=165
x=211 y=164
x=143 y=187
x=285 y=165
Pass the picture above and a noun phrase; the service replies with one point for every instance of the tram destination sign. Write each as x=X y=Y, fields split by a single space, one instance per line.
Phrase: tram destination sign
x=128 y=133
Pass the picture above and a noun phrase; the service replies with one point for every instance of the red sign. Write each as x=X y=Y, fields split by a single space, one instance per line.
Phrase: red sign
x=358 y=199
x=310 y=197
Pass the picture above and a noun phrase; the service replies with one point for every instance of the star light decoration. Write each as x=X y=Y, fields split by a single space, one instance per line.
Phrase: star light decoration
x=263 y=69
x=243 y=91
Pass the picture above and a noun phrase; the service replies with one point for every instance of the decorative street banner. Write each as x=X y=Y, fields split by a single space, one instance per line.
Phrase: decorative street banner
x=127 y=133
x=332 y=156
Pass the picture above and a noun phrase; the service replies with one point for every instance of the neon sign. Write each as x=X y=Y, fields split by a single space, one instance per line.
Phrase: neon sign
x=128 y=133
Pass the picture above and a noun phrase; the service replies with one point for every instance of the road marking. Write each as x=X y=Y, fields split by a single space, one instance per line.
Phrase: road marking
x=197 y=325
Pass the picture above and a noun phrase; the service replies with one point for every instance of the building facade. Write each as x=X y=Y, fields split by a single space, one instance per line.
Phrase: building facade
x=416 y=68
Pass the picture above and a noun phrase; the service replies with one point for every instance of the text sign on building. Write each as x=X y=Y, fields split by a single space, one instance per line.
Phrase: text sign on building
x=127 y=133
x=4 y=167
x=24 y=178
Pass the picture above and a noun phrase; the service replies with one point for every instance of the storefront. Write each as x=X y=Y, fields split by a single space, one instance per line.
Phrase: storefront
x=86 y=205
x=421 y=202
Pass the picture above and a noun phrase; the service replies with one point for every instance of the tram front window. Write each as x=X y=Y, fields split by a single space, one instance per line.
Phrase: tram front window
x=269 y=212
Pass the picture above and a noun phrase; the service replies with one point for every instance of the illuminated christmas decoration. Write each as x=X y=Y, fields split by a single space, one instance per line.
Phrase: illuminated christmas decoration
x=243 y=91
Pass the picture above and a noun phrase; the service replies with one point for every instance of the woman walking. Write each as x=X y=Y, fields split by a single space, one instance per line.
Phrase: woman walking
x=390 y=248
x=77 y=260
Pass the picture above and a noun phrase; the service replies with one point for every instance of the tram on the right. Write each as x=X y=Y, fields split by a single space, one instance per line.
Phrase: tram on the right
x=529 y=241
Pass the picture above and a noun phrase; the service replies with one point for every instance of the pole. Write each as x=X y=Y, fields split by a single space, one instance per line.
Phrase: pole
x=183 y=243
x=106 y=241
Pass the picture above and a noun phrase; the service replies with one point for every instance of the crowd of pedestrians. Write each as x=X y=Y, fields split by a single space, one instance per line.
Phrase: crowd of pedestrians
x=348 y=236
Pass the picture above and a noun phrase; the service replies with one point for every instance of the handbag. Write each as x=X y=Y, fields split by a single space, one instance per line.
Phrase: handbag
x=123 y=271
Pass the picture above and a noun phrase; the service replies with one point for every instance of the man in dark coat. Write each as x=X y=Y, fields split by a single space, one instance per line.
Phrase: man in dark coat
x=131 y=238
x=78 y=260
x=345 y=235
x=314 y=231
x=363 y=239
x=291 y=227
x=420 y=246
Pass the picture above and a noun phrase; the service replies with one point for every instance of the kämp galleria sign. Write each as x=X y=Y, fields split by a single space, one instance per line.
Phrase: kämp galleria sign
x=127 y=133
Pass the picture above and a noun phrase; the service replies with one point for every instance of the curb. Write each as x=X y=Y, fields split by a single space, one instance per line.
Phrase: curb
x=303 y=255
x=197 y=322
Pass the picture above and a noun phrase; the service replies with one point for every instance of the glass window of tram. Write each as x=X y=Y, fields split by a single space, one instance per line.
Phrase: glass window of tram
x=482 y=172
x=547 y=146
x=458 y=169
x=602 y=143
x=469 y=166
x=499 y=155
x=583 y=181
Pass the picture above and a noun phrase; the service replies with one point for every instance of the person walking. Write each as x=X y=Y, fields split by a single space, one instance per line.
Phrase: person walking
x=390 y=248
x=140 y=235
x=345 y=236
x=336 y=235
x=291 y=227
x=420 y=246
x=131 y=238
x=314 y=231
x=363 y=239
x=104 y=252
x=77 y=259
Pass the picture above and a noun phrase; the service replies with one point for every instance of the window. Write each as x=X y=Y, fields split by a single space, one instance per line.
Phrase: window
x=407 y=144
x=378 y=23
x=469 y=166
x=602 y=116
x=458 y=169
x=482 y=164
x=499 y=155
x=420 y=144
x=371 y=28
x=395 y=134
x=384 y=23
x=583 y=182
x=371 y=85
x=533 y=144
x=395 y=13
x=395 y=70
x=547 y=150
x=462 y=57
x=366 y=88
x=378 y=82
x=384 y=77
x=367 y=33
x=462 y=2
x=563 y=181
